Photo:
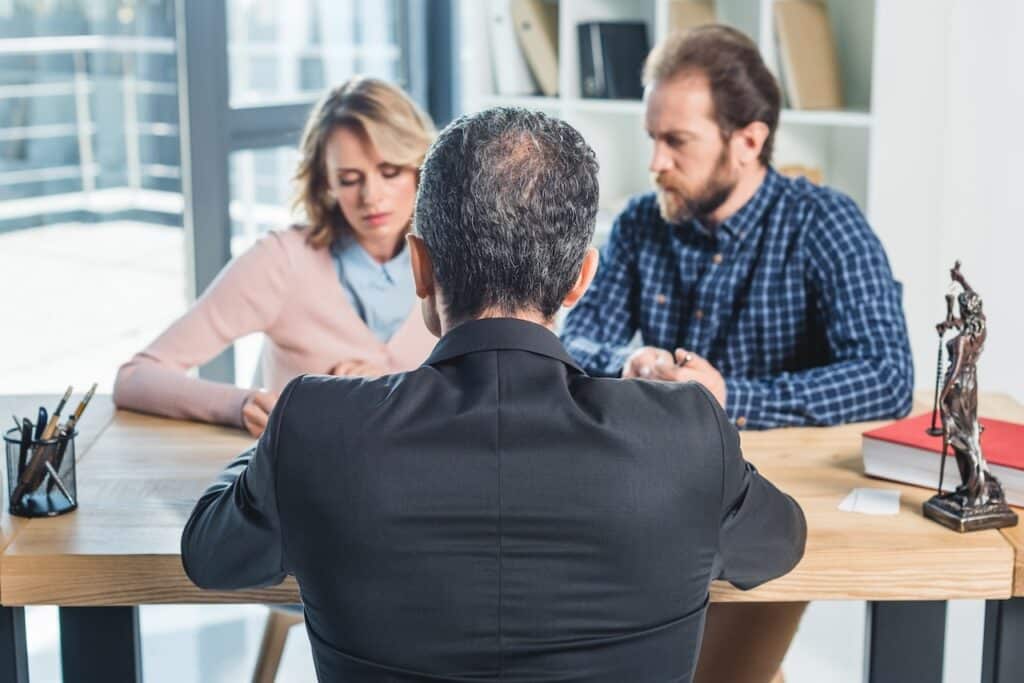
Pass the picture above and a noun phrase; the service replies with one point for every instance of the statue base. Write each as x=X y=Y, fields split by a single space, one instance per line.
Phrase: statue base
x=953 y=511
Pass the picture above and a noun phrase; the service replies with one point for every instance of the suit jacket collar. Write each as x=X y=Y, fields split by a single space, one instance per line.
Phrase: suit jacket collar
x=493 y=334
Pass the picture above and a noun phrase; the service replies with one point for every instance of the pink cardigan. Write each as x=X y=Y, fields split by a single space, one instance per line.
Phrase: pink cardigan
x=290 y=292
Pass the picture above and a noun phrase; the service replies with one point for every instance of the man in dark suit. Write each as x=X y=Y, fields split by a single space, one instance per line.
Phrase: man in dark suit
x=497 y=514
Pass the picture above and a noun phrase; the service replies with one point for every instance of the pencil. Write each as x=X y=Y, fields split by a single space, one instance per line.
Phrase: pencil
x=51 y=426
x=73 y=420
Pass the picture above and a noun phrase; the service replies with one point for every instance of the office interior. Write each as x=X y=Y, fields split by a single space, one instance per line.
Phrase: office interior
x=145 y=143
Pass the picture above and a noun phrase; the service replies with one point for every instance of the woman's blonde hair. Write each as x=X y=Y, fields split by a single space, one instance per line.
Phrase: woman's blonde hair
x=392 y=122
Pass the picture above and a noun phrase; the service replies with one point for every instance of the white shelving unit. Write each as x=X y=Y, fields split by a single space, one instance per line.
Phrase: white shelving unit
x=837 y=142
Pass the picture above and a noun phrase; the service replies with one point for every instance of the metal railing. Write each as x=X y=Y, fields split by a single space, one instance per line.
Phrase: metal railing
x=81 y=86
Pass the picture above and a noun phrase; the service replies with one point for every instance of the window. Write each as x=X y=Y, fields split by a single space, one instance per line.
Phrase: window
x=293 y=52
x=90 y=187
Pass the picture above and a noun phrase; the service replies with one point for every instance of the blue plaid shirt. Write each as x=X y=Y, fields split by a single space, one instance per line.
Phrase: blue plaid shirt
x=791 y=299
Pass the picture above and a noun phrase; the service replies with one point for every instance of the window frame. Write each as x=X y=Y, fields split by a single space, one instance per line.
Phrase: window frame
x=211 y=129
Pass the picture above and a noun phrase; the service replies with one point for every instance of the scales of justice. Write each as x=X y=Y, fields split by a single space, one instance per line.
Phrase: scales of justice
x=978 y=502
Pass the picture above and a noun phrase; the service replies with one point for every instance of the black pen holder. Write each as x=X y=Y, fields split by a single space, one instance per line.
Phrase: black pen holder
x=40 y=475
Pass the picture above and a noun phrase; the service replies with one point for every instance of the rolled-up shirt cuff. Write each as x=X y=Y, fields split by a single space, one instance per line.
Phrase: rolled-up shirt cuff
x=618 y=360
x=744 y=401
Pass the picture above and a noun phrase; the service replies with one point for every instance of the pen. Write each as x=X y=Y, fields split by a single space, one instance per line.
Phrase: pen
x=63 y=401
x=51 y=426
x=41 y=422
x=686 y=359
x=67 y=431
x=58 y=457
x=73 y=420
x=54 y=479
x=26 y=439
x=33 y=474
x=64 y=437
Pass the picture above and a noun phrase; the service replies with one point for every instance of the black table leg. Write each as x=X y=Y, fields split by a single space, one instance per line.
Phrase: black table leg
x=905 y=641
x=1003 y=655
x=100 y=644
x=13 y=653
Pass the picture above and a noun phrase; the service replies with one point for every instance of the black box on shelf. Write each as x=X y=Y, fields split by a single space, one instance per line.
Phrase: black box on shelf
x=612 y=57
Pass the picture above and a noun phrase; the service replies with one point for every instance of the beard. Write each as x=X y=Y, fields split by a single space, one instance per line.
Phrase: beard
x=677 y=205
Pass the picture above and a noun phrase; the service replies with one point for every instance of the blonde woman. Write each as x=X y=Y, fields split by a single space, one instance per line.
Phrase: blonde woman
x=333 y=296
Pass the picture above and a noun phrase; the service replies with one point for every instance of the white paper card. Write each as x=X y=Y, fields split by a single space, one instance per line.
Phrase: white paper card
x=872 y=502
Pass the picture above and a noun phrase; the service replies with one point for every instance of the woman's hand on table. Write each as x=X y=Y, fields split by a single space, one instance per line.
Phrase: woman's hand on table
x=256 y=410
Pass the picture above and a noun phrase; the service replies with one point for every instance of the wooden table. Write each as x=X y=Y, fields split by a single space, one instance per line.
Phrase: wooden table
x=138 y=484
x=13 y=658
x=1015 y=536
x=1004 y=620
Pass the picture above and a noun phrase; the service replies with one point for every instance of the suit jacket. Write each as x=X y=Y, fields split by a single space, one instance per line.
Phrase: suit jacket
x=496 y=514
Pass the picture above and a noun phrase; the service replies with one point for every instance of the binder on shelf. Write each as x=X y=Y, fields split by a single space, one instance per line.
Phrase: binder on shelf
x=511 y=73
x=807 y=52
x=684 y=15
x=612 y=57
x=812 y=173
x=536 y=25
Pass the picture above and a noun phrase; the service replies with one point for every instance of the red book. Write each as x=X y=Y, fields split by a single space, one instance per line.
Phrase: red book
x=902 y=451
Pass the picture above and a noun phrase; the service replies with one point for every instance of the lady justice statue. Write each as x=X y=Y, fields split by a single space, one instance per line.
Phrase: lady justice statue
x=978 y=503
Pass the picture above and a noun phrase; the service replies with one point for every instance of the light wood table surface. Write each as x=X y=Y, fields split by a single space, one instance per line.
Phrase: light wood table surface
x=138 y=484
x=864 y=557
x=1005 y=408
x=122 y=546
x=95 y=419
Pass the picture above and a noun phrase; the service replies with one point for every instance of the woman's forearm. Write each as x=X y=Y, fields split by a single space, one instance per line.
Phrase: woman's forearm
x=146 y=385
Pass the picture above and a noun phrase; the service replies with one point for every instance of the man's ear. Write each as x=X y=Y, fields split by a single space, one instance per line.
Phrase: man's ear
x=749 y=141
x=587 y=271
x=426 y=290
x=422 y=266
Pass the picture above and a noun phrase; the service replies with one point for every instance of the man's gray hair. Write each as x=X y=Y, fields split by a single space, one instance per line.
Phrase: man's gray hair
x=507 y=204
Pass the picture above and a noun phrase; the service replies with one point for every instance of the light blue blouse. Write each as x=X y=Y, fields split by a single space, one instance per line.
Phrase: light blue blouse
x=382 y=293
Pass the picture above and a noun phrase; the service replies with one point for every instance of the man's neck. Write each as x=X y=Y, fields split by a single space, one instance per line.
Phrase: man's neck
x=527 y=316
x=746 y=188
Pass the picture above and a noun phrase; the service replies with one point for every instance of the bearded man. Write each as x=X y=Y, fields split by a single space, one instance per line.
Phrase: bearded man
x=773 y=293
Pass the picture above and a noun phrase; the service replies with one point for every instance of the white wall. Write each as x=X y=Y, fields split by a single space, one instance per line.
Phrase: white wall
x=948 y=183
x=984 y=167
x=948 y=177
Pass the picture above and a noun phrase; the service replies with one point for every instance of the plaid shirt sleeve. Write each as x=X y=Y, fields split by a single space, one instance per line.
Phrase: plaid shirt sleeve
x=871 y=373
x=599 y=328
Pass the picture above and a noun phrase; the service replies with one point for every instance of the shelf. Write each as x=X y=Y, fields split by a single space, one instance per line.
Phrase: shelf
x=837 y=142
x=575 y=104
x=850 y=119
x=525 y=101
x=607 y=106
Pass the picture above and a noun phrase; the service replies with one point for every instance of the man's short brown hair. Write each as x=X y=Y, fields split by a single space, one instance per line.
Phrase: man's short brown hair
x=743 y=90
